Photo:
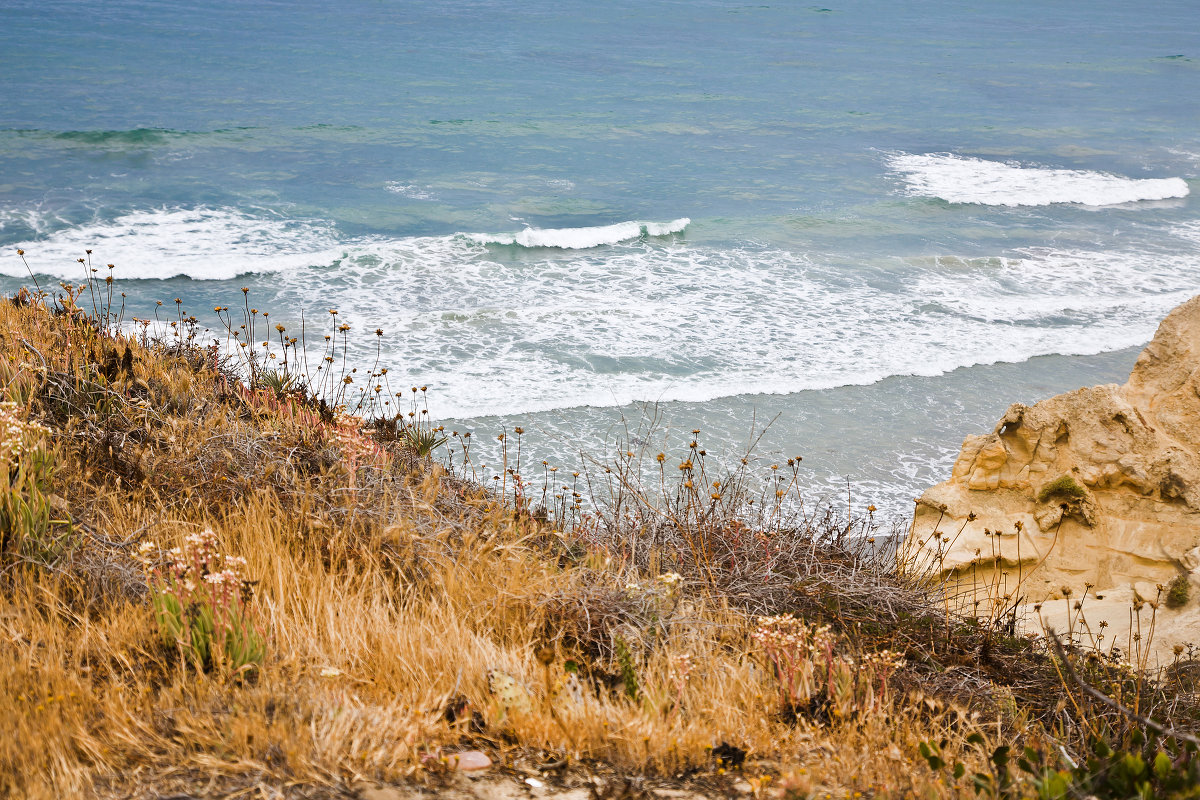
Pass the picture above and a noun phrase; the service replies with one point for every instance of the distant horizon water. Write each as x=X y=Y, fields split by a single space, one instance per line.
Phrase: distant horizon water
x=874 y=226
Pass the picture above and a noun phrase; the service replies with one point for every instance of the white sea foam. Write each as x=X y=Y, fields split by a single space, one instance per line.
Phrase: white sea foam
x=410 y=190
x=582 y=238
x=1189 y=155
x=660 y=320
x=960 y=179
x=1189 y=231
x=199 y=243
x=653 y=318
x=34 y=218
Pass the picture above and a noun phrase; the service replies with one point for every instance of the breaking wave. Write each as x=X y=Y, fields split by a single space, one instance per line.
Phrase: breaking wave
x=198 y=243
x=961 y=179
x=582 y=238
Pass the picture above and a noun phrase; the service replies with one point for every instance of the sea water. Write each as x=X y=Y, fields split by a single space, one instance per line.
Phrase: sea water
x=873 y=225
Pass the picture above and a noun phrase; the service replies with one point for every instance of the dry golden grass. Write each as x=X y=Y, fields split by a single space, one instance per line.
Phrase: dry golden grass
x=388 y=590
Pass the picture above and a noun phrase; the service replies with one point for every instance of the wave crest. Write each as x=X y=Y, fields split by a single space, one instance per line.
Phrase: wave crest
x=582 y=238
x=961 y=179
x=199 y=243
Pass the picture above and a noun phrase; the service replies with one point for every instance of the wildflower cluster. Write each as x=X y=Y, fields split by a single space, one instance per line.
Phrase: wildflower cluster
x=203 y=603
x=812 y=674
x=793 y=648
x=16 y=434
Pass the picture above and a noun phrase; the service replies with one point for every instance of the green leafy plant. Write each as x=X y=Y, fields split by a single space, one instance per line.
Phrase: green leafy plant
x=205 y=607
x=1146 y=769
x=278 y=382
x=1000 y=781
x=422 y=440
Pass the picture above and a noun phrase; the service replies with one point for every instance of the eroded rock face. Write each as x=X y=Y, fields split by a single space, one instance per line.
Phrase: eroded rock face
x=1098 y=486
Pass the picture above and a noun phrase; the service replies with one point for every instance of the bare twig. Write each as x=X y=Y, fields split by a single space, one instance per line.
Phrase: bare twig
x=1096 y=694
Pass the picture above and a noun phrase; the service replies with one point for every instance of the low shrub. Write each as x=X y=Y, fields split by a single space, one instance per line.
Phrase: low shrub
x=1177 y=592
x=1065 y=487
x=1147 y=768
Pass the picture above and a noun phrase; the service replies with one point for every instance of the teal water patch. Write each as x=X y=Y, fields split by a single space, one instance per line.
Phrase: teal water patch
x=136 y=137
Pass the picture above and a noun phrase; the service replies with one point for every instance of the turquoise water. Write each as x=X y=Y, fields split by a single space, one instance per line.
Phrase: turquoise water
x=559 y=212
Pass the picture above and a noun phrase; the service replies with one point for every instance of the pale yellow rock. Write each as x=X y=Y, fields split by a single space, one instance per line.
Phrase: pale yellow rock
x=1146 y=591
x=1109 y=623
x=1097 y=486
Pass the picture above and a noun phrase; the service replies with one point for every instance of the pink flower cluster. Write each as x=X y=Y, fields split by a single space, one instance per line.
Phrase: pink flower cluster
x=182 y=570
x=202 y=600
x=807 y=665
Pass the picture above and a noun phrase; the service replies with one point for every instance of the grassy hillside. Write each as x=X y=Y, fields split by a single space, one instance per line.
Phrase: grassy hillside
x=216 y=582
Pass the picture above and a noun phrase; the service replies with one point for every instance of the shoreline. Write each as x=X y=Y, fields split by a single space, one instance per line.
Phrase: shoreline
x=846 y=431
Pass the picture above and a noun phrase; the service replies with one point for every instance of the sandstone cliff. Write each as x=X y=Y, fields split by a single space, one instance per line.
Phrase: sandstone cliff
x=1096 y=489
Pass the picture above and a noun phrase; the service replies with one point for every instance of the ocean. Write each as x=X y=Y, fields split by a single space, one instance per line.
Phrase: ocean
x=872 y=225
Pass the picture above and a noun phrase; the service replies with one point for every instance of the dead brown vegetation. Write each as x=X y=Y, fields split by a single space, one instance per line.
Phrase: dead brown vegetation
x=396 y=596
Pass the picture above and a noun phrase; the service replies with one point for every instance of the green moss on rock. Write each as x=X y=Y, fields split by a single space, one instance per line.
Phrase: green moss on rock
x=1177 y=592
x=1065 y=487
